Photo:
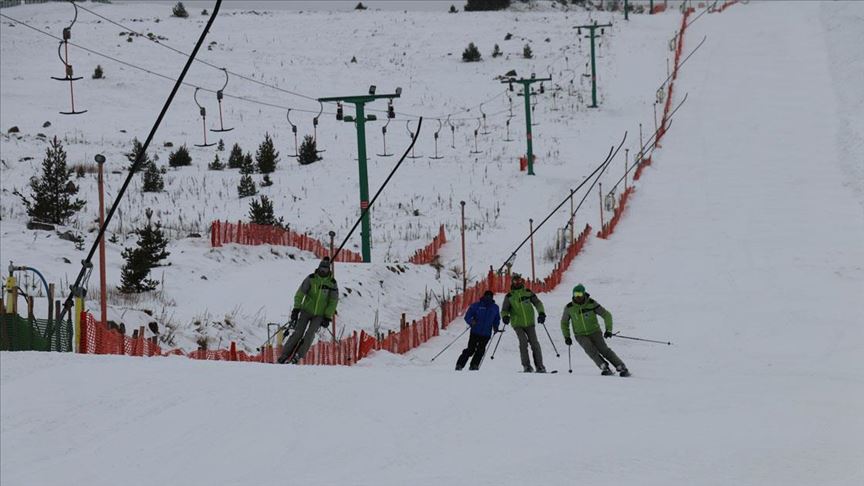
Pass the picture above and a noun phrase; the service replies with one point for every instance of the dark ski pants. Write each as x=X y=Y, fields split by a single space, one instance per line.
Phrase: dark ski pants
x=596 y=349
x=528 y=335
x=307 y=327
x=476 y=348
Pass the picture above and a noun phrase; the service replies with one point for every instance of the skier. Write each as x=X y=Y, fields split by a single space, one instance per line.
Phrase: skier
x=519 y=306
x=314 y=307
x=483 y=317
x=582 y=311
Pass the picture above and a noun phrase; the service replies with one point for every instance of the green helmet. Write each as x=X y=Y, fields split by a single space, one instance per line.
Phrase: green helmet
x=579 y=289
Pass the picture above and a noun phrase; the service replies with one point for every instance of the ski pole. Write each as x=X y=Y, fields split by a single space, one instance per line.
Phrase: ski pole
x=486 y=351
x=569 y=361
x=668 y=343
x=550 y=339
x=500 y=335
x=451 y=344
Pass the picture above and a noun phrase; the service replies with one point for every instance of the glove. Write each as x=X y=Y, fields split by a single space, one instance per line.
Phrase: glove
x=541 y=318
x=325 y=323
x=608 y=334
x=498 y=330
x=568 y=341
x=505 y=319
x=295 y=314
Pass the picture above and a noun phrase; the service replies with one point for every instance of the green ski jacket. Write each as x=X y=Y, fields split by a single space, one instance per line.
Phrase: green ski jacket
x=519 y=306
x=584 y=318
x=317 y=295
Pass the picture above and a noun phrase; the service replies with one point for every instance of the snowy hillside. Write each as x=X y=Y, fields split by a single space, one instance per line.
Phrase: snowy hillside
x=743 y=245
x=417 y=51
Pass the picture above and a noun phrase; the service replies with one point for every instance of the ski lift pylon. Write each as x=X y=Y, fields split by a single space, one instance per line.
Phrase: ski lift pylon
x=315 y=127
x=219 y=96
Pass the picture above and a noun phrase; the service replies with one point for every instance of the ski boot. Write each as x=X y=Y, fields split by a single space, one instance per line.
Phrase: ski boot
x=604 y=370
x=459 y=368
x=528 y=369
x=623 y=371
x=473 y=368
x=541 y=370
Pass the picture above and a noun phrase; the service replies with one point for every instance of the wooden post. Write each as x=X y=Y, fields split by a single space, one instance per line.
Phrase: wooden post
x=531 y=226
x=464 y=270
x=626 y=156
x=59 y=324
x=572 y=218
x=600 y=193
x=103 y=295
x=333 y=273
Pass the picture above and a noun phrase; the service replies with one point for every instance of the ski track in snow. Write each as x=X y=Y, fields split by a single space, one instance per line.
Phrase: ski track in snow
x=736 y=246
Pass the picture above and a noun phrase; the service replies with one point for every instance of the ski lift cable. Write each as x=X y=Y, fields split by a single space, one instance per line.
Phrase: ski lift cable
x=651 y=143
x=682 y=62
x=86 y=264
x=178 y=51
x=154 y=73
x=611 y=156
x=241 y=76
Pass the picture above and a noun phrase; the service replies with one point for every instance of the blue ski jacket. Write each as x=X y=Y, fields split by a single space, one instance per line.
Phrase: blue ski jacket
x=483 y=316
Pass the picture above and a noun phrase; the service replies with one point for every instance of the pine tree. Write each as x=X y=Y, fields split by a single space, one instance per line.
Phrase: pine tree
x=471 y=53
x=221 y=146
x=247 y=167
x=496 y=52
x=52 y=198
x=138 y=149
x=152 y=180
x=246 y=187
x=180 y=157
x=261 y=212
x=235 y=160
x=266 y=182
x=308 y=151
x=452 y=9
x=179 y=10
x=146 y=255
x=98 y=73
x=526 y=52
x=266 y=157
x=216 y=164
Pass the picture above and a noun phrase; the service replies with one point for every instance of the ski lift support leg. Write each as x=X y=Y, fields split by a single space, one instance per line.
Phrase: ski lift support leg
x=359 y=121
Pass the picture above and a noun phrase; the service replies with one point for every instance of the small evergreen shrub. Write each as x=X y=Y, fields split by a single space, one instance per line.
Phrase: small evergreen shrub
x=180 y=157
x=471 y=53
x=179 y=11
x=235 y=159
x=308 y=151
x=246 y=187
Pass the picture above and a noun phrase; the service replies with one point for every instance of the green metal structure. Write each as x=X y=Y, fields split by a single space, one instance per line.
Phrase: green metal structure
x=592 y=29
x=359 y=119
x=526 y=93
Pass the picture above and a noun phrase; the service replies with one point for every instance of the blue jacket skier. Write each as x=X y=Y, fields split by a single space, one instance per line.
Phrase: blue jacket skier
x=483 y=317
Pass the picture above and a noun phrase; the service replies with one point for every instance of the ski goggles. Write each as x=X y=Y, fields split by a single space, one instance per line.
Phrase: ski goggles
x=578 y=294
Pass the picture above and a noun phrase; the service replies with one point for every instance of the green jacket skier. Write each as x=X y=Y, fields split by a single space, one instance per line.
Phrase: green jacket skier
x=314 y=307
x=518 y=309
x=581 y=314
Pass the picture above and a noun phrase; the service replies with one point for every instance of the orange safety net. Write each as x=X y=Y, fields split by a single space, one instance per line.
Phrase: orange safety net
x=428 y=253
x=223 y=232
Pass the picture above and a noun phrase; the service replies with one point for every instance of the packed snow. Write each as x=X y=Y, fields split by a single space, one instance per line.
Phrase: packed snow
x=743 y=245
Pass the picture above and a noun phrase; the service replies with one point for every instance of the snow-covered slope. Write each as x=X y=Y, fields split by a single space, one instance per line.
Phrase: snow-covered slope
x=309 y=53
x=742 y=245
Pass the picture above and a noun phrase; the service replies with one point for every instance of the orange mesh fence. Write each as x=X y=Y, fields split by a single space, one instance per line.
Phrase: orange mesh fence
x=427 y=254
x=223 y=232
x=609 y=227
